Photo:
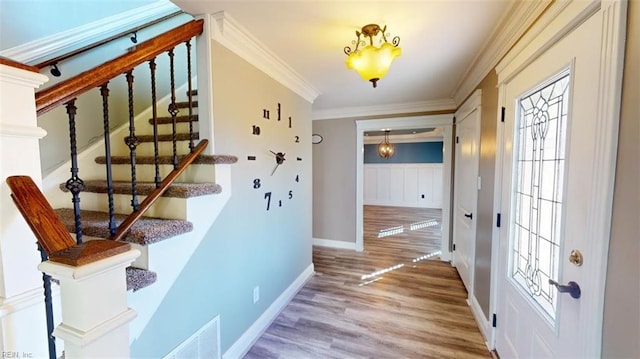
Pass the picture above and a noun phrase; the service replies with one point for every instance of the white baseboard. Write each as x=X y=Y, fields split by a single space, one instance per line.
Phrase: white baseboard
x=478 y=315
x=334 y=244
x=251 y=335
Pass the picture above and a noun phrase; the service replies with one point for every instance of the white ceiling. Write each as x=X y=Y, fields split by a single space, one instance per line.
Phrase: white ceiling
x=439 y=39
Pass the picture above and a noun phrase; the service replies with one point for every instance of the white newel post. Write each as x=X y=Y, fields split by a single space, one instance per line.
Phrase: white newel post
x=22 y=319
x=95 y=314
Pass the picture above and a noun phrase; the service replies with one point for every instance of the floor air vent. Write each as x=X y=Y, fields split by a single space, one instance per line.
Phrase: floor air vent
x=205 y=343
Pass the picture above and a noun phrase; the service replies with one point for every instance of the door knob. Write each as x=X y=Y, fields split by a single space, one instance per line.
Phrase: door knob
x=469 y=215
x=572 y=288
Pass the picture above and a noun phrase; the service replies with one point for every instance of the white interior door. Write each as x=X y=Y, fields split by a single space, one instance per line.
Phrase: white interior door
x=466 y=195
x=552 y=133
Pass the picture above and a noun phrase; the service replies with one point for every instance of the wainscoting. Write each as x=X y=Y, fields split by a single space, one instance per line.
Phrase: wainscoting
x=403 y=184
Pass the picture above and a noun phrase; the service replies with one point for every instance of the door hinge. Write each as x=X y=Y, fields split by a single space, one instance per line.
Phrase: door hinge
x=502 y=114
x=457 y=139
x=498 y=217
x=454 y=246
x=494 y=320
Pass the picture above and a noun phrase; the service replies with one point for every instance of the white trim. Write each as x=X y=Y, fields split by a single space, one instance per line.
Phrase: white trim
x=515 y=22
x=331 y=243
x=497 y=208
x=399 y=123
x=382 y=110
x=229 y=33
x=478 y=315
x=605 y=147
x=541 y=37
x=82 y=338
x=91 y=270
x=23 y=77
x=432 y=136
x=472 y=104
x=251 y=335
x=26 y=300
x=22 y=131
x=88 y=33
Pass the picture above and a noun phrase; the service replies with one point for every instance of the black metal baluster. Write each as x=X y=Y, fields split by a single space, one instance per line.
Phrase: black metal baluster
x=104 y=91
x=173 y=110
x=190 y=95
x=132 y=142
x=74 y=184
x=156 y=156
x=48 y=306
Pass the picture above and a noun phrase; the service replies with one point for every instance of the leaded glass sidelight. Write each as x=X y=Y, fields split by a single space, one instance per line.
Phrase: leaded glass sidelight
x=540 y=137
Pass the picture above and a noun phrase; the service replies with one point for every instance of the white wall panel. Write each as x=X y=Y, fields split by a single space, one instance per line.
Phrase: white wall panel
x=403 y=184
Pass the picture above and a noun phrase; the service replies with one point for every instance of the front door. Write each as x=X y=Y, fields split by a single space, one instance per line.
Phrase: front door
x=552 y=133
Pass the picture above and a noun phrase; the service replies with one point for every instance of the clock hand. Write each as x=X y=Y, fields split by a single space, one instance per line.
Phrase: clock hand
x=279 y=157
x=275 y=168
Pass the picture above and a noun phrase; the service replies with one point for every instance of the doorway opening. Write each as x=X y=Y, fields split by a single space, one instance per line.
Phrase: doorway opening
x=444 y=125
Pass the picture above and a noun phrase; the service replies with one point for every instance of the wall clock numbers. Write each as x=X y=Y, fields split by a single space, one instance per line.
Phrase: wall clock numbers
x=268 y=136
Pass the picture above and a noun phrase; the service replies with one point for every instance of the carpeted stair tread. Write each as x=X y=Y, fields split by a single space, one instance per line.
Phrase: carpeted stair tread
x=138 y=278
x=168 y=138
x=145 y=231
x=176 y=190
x=167 y=160
x=179 y=119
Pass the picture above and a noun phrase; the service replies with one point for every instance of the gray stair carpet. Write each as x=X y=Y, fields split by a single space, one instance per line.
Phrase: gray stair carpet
x=175 y=190
x=167 y=160
x=145 y=231
x=138 y=278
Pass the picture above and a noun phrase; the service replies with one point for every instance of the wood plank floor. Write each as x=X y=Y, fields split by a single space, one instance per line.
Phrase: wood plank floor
x=393 y=300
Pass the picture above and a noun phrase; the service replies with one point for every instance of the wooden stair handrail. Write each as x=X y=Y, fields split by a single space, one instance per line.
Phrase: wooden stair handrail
x=18 y=65
x=67 y=90
x=126 y=225
x=52 y=235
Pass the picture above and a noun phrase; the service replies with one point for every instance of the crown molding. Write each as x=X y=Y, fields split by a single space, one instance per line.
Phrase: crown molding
x=384 y=110
x=513 y=24
x=230 y=34
x=432 y=136
x=85 y=34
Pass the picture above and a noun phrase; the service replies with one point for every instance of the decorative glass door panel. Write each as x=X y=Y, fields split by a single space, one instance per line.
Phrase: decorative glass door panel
x=540 y=138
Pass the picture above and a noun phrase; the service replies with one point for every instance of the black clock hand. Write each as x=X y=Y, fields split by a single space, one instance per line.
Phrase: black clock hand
x=279 y=157
x=275 y=168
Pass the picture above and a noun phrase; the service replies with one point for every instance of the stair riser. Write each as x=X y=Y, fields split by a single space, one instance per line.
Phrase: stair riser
x=164 y=207
x=146 y=173
x=147 y=129
x=146 y=148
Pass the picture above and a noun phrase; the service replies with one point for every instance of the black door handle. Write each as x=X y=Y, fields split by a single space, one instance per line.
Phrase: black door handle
x=469 y=215
x=572 y=288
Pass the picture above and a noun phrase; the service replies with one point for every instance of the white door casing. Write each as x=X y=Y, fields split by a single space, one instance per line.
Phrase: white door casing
x=400 y=123
x=467 y=152
x=580 y=45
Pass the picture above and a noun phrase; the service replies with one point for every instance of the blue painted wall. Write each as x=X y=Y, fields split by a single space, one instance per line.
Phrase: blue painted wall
x=247 y=245
x=419 y=152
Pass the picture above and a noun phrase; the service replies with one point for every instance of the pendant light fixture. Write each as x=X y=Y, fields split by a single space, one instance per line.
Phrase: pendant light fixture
x=371 y=62
x=386 y=150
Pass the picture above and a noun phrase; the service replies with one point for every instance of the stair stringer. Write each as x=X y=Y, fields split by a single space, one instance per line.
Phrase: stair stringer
x=168 y=262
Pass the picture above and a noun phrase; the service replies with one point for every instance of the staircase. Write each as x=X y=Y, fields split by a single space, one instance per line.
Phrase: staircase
x=165 y=220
